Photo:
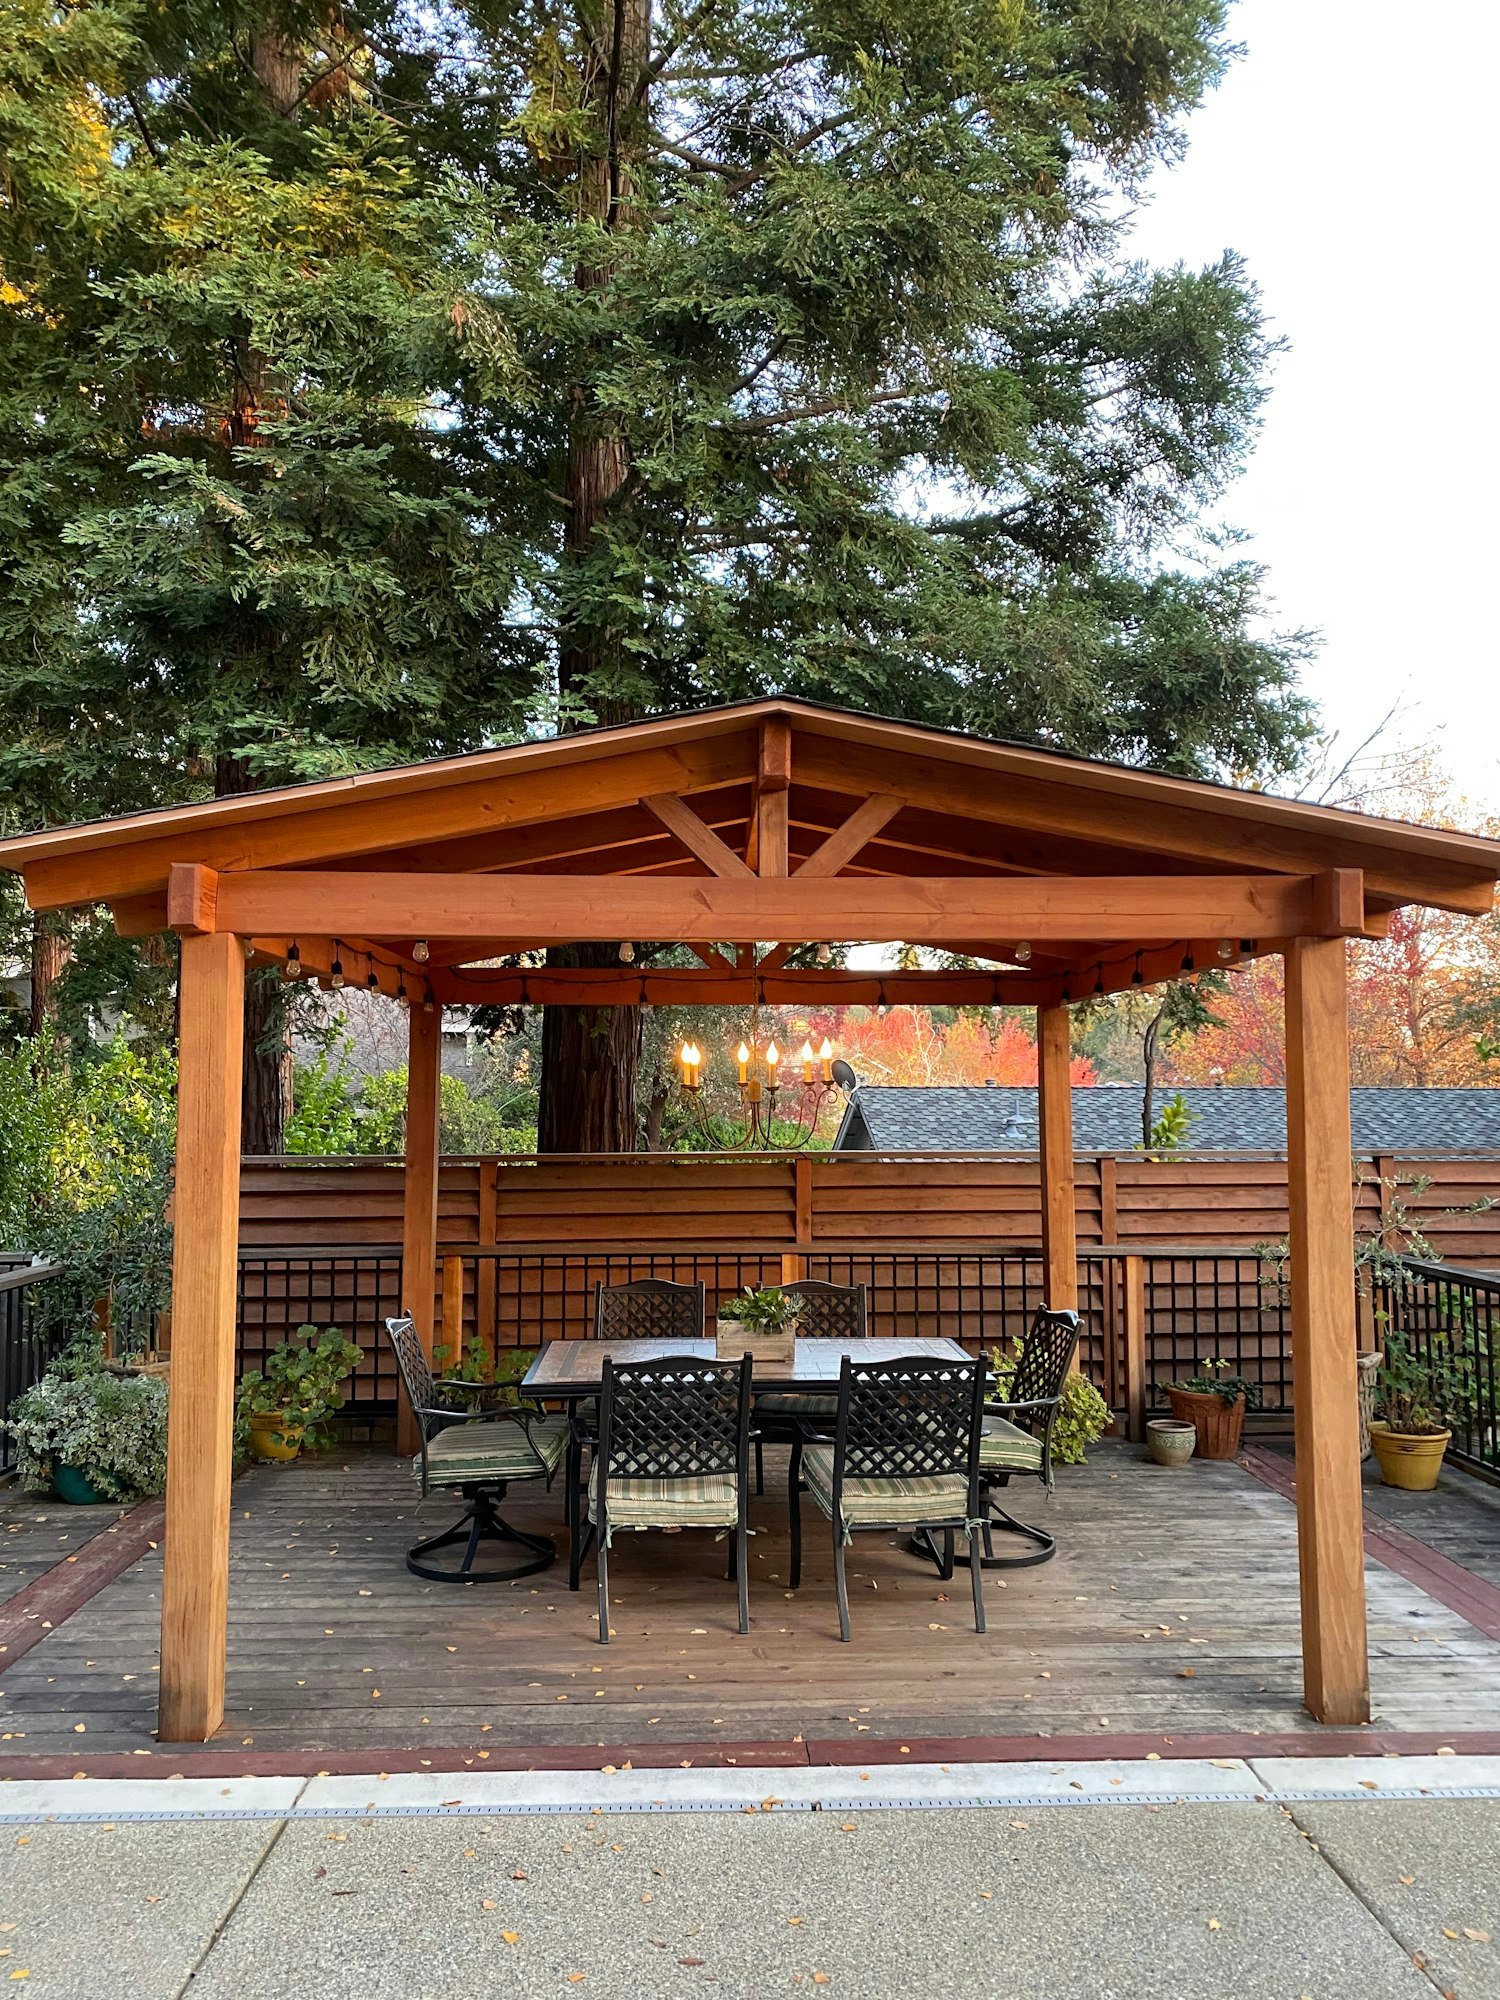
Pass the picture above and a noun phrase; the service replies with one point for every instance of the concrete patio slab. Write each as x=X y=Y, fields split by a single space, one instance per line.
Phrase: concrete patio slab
x=160 y=1798
x=1430 y=1870
x=1287 y=1776
x=124 y=1912
x=1212 y=1901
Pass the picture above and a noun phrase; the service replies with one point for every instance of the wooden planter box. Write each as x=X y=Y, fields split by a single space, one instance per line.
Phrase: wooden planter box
x=767 y=1351
x=1217 y=1423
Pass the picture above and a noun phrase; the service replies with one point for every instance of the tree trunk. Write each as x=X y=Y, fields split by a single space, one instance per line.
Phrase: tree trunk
x=51 y=954
x=591 y=1055
x=590 y=1061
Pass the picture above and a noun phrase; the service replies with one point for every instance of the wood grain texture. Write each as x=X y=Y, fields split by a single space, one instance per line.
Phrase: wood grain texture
x=419 y=1213
x=849 y=839
x=1337 y=1673
x=1055 y=1164
x=679 y=818
x=200 y=1436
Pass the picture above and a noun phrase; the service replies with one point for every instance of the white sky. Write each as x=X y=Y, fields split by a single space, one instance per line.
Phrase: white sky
x=1349 y=156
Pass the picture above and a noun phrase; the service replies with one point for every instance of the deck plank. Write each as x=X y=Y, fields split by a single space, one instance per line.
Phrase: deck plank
x=333 y=1645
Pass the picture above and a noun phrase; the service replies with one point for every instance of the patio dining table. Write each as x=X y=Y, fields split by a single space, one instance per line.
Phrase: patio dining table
x=572 y=1370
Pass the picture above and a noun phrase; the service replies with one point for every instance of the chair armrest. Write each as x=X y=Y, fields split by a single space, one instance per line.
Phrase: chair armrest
x=1012 y=1409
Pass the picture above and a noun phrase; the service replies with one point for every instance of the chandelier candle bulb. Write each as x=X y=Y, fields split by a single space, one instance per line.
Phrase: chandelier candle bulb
x=742 y=1056
x=825 y=1057
x=807 y=1062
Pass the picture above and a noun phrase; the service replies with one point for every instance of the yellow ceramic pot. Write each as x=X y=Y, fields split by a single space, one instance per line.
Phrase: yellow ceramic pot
x=1409 y=1459
x=271 y=1437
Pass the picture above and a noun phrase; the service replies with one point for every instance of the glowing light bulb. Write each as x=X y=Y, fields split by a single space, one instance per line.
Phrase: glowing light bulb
x=1022 y=953
x=742 y=1057
x=825 y=954
x=825 y=1057
x=807 y=1062
x=773 y=1055
x=627 y=953
x=420 y=951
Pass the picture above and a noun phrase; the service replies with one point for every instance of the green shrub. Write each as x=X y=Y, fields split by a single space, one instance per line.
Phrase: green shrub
x=111 y=1428
x=1082 y=1415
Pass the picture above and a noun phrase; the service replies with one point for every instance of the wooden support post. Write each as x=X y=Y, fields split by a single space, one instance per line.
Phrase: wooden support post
x=1330 y=1517
x=453 y=1316
x=1133 y=1281
x=793 y=1264
x=1055 y=1115
x=419 y=1215
x=200 y=1432
x=772 y=803
x=486 y=1318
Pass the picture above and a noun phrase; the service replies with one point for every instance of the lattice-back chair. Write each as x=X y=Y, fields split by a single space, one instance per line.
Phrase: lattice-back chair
x=1017 y=1435
x=649 y=1309
x=479 y=1452
x=904 y=1453
x=672 y=1451
x=829 y=1312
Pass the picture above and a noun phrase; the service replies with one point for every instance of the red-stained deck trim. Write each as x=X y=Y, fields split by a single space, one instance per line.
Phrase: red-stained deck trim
x=831 y=1753
x=44 y=1603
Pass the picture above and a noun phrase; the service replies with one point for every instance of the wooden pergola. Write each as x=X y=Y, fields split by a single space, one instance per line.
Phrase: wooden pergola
x=746 y=833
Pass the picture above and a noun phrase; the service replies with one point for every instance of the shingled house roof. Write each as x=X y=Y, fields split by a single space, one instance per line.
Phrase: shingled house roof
x=1231 y=1118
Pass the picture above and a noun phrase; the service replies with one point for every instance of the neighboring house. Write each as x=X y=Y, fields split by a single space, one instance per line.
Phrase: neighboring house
x=1231 y=1118
x=376 y=1033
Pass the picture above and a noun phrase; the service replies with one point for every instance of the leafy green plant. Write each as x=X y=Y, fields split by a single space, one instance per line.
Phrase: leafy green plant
x=1423 y=1394
x=300 y=1384
x=1082 y=1414
x=1169 y=1130
x=110 y=1428
x=763 y=1310
x=1216 y=1379
x=479 y=1379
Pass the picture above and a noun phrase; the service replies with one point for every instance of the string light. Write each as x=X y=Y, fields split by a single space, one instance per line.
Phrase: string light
x=420 y=951
x=336 y=970
x=1022 y=953
x=403 y=998
x=1099 y=977
x=825 y=954
x=627 y=953
x=1187 y=960
x=1226 y=950
x=1137 y=978
x=372 y=983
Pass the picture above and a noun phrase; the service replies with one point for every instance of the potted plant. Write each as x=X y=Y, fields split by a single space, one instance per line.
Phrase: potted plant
x=761 y=1322
x=282 y=1405
x=1415 y=1394
x=1214 y=1402
x=91 y=1435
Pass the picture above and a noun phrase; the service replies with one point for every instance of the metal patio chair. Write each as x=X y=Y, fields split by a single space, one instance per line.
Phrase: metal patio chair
x=904 y=1454
x=1016 y=1440
x=829 y=1312
x=672 y=1451
x=641 y=1309
x=479 y=1453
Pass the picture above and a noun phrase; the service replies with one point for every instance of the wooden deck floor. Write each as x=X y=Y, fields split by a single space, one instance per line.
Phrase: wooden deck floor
x=1171 y=1607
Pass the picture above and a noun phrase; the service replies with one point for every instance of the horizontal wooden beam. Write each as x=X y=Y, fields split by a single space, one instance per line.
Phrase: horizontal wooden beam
x=909 y=909
x=689 y=986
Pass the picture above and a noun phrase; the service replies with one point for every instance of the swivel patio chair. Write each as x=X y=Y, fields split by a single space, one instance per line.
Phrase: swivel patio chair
x=829 y=1312
x=641 y=1309
x=479 y=1453
x=1017 y=1435
x=672 y=1451
x=904 y=1454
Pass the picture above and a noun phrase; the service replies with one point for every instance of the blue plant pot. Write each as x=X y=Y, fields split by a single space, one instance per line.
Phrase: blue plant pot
x=76 y=1488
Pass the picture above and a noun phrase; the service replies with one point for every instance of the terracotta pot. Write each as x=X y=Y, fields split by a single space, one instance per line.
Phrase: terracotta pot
x=1411 y=1460
x=1170 y=1442
x=272 y=1437
x=1217 y=1423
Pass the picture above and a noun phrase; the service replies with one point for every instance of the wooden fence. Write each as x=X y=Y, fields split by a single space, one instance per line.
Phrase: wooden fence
x=779 y=1203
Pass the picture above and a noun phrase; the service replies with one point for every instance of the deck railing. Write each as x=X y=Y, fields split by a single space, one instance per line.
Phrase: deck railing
x=1150 y=1316
x=1450 y=1317
x=25 y=1345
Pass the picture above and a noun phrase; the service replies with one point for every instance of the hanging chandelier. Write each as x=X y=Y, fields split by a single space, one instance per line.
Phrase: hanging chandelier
x=780 y=1101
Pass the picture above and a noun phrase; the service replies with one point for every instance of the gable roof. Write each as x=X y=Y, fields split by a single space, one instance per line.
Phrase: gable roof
x=1229 y=1118
x=895 y=830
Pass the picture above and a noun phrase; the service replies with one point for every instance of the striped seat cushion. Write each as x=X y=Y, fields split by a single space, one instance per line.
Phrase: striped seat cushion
x=466 y=1453
x=1005 y=1447
x=787 y=1403
x=708 y=1501
x=931 y=1498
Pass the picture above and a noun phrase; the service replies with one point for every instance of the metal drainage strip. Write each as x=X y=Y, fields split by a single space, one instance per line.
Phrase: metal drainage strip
x=1027 y=1801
